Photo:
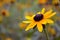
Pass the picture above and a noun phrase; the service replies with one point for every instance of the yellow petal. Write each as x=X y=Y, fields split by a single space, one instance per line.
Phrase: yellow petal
x=43 y=21
x=30 y=26
x=28 y=17
x=33 y=15
x=40 y=28
x=39 y=13
x=49 y=21
x=51 y=15
x=43 y=10
x=26 y=21
x=47 y=13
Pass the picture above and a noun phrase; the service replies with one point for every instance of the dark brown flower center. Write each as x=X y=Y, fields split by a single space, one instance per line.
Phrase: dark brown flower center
x=12 y=2
x=38 y=17
x=1 y=0
x=3 y=13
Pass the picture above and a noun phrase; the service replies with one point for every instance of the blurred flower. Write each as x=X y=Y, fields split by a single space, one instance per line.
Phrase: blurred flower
x=1 y=3
x=22 y=25
x=55 y=2
x=27 y=38
x=39 y=19
x=6 y=1
x=42 y=1
x=52 y=31
x=8 y=39
x=12 y=1
x=5 y=12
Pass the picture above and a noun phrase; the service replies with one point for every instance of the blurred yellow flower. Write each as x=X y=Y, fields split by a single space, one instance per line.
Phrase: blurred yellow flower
x=12 y=1
x=55 y=1
x=51 y=31
x=6 y=1
x=9 y=1
x=22 y=25
x=27 y=38
x=39 y=19
x=5 y=12
x=42 y=1
x=8 y=39
x=1 y=3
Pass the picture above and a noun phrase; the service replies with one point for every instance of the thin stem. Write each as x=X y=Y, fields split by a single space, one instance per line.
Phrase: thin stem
x=45 y=31
x=47 y=37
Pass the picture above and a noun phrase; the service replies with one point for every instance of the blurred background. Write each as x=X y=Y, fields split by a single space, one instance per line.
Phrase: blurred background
x=13 y=12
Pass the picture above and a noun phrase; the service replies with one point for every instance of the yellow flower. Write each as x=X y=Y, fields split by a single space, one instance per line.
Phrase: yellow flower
x=5 y=13
x=39 y=19
x=51 y=31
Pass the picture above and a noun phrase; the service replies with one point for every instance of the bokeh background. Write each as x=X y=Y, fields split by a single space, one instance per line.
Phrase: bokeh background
x=13 y=12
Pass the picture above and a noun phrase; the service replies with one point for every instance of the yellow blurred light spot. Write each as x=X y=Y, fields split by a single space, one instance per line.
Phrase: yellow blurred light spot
x=55 y=1
x=28 y=13
x=8 y=39
x=22 y=25
x=42 y=1
x=28 y=38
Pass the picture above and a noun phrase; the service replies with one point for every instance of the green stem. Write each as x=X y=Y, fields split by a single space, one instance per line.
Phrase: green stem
x=46 y=33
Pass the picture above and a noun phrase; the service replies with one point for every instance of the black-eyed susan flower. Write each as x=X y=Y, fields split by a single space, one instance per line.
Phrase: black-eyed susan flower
x=5 y=12
x=39 y=19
